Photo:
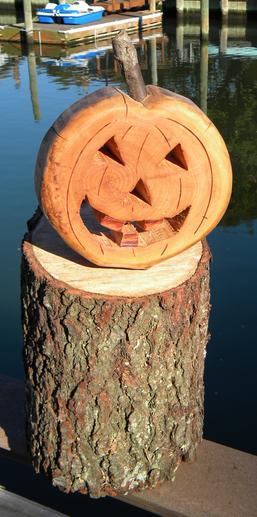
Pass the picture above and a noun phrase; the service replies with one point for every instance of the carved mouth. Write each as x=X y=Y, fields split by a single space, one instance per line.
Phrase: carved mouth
x=113 y=232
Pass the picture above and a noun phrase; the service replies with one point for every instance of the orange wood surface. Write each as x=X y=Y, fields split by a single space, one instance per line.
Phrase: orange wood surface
x=153 y=177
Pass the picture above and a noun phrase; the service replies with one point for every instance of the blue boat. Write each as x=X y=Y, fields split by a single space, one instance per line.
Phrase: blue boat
x=71 y=14
x=48 y=14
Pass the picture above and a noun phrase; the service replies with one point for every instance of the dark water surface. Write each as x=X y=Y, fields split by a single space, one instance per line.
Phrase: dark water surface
x=35 y=88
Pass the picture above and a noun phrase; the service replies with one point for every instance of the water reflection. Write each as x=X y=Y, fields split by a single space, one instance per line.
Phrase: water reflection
x=31 y=58
x=204 y=58
x=175 y=59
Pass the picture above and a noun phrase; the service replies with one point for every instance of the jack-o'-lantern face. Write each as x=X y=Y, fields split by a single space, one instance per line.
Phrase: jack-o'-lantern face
x=129 y=184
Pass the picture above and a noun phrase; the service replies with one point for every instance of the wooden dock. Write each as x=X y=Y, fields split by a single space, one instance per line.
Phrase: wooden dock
x=112 y=6
x=107 y=27
x=13 y=504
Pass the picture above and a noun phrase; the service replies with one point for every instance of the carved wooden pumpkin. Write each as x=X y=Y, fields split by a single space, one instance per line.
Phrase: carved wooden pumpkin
x=128 y=184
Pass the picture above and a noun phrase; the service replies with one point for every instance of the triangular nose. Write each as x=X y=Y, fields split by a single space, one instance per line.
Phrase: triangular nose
x=141 y=192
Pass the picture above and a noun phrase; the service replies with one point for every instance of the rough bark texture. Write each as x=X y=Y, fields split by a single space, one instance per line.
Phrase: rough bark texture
x=114 y=386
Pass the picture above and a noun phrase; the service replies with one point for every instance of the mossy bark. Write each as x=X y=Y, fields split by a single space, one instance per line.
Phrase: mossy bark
x=114 y=385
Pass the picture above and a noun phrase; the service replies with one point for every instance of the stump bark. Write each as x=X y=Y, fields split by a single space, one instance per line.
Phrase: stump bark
x=114 y=381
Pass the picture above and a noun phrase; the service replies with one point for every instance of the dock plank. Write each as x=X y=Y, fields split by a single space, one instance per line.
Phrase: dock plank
x=107 y=27
x=13 y=505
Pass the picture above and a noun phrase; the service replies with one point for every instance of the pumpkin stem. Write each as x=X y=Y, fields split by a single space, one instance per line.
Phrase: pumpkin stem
x=126 y=55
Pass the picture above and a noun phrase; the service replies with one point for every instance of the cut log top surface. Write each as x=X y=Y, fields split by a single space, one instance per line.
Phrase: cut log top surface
x=67 y=267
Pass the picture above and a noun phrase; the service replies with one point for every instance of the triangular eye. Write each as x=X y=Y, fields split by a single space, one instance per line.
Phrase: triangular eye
x=111 y=150
x=141 y=192
x=177 y=157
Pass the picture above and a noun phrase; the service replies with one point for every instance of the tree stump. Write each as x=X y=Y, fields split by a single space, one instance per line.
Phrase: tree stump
x=114 y=365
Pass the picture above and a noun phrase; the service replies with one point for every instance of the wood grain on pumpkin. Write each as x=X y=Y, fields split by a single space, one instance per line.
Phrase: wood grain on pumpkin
x=128 y=184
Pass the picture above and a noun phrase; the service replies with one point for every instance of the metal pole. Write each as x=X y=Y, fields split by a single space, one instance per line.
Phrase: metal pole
x=180 y=6
x=180 y=40
x=153 y=54
x=27 y=9
x=152 y=6
x=33 y=82
x=224 y=7
x=223 y=38
x=204 y=76
x=204 y=19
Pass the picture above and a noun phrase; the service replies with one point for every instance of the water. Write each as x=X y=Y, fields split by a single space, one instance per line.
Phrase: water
x=34 y=90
